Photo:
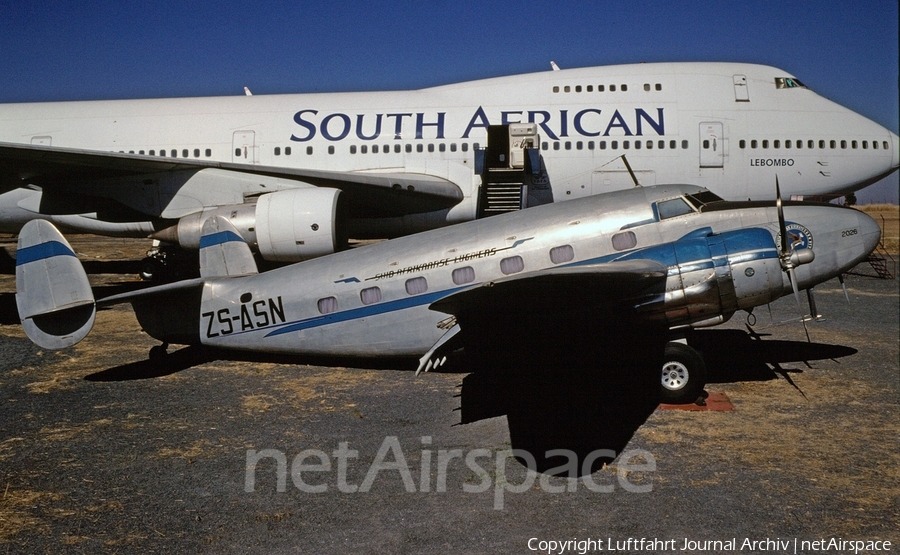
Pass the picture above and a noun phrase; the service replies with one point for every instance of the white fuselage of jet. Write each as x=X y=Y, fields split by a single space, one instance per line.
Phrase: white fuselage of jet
x=728 y=127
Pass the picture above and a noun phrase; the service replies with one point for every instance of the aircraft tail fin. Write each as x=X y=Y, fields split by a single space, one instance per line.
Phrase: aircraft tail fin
x=53 y=296
x=222 y=250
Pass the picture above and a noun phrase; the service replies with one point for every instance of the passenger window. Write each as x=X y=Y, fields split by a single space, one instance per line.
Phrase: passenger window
x=416 y=286
x=672 y=208
x=624 y=240
x=327 y=305
x=684 y=144
x=512 y=265
x=865 y=144
x=278 y=150
x=287 y=151
x=463 y=275
x=742 y=143
x=370 y=295
x=565 y=253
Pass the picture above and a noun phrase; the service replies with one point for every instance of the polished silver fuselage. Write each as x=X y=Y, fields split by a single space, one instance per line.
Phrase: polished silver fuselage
x=374 y=300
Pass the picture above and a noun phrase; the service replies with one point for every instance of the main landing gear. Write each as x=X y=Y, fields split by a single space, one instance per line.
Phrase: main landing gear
x=683 y=374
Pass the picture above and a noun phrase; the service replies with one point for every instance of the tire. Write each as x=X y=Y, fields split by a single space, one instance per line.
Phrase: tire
x=683 y=375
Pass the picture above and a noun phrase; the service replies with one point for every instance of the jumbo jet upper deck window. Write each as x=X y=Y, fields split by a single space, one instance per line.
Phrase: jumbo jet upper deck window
x=788 y=83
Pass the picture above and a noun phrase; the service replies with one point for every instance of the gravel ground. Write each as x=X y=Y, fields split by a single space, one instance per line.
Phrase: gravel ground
x=100 y=452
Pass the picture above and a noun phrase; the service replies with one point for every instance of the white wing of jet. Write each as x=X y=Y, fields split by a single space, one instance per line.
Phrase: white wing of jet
x=66 y=170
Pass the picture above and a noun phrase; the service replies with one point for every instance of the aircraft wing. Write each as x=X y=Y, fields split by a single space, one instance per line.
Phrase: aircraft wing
x=67 y=169
x=559 y=300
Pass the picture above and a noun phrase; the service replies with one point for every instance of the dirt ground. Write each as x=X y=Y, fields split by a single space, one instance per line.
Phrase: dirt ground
x=100 y=452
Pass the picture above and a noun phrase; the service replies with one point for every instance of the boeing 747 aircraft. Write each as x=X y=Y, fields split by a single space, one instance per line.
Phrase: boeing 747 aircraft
x=298 y=174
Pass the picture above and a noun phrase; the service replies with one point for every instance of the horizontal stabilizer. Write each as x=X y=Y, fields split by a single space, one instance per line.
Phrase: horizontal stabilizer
x=222 y=250
x=53 y=296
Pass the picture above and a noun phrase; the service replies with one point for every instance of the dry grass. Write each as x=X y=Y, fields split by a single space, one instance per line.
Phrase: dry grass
x=888 y=217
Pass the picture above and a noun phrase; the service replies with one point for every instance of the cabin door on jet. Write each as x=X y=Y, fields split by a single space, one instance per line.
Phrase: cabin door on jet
x=243 y=147
x=712 y=144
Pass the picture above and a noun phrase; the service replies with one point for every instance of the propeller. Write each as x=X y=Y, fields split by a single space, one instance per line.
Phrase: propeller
x=789 y=257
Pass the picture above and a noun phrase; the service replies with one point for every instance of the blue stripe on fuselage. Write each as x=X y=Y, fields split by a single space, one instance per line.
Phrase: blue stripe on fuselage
x=364 y=311
x=665 y=254
x=42 y=251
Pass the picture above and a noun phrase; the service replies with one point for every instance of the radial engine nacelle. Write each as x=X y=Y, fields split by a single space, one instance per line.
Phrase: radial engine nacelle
x=284 y=226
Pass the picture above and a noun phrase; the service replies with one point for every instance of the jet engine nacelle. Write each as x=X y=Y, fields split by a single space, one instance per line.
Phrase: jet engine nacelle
x=284 y=226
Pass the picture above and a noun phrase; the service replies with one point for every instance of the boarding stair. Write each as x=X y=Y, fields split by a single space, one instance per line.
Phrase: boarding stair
x=882 y=262
x=506 y=166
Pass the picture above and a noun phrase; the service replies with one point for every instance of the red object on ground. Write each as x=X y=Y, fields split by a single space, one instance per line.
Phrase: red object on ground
x=715 y=401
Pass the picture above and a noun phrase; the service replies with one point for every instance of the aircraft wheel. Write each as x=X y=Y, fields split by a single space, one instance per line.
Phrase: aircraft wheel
x=683 y=374
x=151 y=269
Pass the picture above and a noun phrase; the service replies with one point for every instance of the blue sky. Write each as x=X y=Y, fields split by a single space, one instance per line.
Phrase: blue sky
x=67 y=50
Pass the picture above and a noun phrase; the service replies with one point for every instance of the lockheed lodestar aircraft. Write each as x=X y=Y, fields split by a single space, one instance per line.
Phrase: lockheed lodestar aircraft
x=298 y=174
x=558 y=279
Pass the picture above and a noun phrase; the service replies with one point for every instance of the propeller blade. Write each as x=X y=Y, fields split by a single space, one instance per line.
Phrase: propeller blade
x=844 y=287
x=793 y=280
x=781 y=225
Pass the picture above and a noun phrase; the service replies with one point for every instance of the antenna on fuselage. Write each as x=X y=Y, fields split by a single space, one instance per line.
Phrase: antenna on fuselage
x=554 y=66
x=627 y=167
x=247 y=91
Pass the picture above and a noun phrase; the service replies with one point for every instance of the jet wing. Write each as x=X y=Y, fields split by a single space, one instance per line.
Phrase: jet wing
x=369 y=194
x=559 y=300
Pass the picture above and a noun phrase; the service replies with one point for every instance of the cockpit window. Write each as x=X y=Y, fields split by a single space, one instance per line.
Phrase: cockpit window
x=673 y=207
x=702 y=198
x=788 y=83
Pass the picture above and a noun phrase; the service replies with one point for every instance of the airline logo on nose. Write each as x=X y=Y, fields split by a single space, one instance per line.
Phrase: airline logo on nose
x=799 y=237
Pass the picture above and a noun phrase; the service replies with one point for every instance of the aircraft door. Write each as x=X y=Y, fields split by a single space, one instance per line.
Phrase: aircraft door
x=243 y=147
x=712 y=144
x=741 y=94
